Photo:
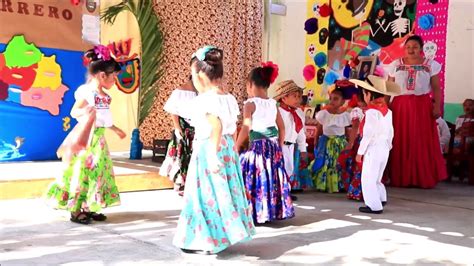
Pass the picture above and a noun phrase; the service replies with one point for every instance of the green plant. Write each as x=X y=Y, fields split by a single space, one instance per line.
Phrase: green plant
x=151 y=49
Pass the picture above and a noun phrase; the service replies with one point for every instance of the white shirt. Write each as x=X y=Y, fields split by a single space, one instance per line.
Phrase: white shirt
x=264 y=115
x=333 y=124
x=421 y=82
x=378 y=129
x=179 y=102
x=224 y=106
x=444 y=133
x=290 y=129
x=89 y=93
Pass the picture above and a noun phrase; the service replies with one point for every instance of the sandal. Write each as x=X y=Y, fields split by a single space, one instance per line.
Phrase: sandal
x=80 y=218
x=97 y=216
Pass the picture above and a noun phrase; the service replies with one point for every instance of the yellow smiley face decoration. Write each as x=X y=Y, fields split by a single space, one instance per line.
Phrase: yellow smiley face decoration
x=343 y=15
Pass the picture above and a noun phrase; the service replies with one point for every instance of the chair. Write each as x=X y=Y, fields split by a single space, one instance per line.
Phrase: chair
x=160 y=147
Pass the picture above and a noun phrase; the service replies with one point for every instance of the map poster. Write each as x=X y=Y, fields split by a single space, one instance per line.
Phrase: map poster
x=41 y=66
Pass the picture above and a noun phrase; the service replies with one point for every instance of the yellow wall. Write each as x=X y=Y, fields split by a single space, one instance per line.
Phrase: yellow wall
x=124 y=106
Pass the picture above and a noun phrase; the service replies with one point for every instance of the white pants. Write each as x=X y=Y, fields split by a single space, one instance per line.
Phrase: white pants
x=289 y=157
x=375 y=161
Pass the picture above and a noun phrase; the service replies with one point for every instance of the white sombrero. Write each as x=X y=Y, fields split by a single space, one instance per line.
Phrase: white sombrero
x=378 y=84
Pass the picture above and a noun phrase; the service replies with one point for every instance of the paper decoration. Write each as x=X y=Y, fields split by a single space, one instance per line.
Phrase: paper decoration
x=320 y=60
x=437 y=34
x=317 y=9
x=429 y=50
x=426 y=22
x=91 y=28
x=311 y=26
x=309 y=72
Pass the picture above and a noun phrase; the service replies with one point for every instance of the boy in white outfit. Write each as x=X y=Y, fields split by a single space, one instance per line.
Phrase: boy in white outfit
x=289 y=97
x=377 y=134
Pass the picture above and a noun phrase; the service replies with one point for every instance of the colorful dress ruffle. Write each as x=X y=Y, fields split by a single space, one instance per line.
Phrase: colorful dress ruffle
x=351 y=172
x=175 y=165
x=88 y=183
x=324 y=170
x=266 y=181
x=301 y=178
x=216 y=213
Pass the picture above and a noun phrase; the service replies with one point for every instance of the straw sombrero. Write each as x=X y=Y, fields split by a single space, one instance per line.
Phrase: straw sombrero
x=378 y=84
x=284 y=88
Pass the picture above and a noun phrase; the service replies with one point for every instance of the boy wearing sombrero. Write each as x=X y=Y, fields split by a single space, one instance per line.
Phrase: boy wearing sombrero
x=376 y=130
x=289 y=97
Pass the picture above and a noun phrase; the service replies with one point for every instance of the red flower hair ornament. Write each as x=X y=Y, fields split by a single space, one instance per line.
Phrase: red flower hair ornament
x=274 y=72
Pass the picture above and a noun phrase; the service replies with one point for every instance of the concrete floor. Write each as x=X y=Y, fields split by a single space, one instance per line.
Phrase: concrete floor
x=432 y=227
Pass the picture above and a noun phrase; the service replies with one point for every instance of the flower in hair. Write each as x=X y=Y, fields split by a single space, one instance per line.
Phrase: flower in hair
x=102 y=52
x=200 y=54
x=274 y=72
x=86 y=61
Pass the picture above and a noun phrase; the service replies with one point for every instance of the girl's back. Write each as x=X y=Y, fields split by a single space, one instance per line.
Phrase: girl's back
x=265 y=113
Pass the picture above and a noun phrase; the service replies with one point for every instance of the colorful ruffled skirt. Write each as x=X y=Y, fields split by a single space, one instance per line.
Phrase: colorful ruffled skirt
x=175 y=166
x=351 y=172
x=266 y=181
x=324 y=171
x=301 y=178
x=216 y=213
x=88 y=183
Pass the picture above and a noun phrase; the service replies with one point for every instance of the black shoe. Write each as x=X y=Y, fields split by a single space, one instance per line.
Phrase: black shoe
x=384 y=203
x=200 y=252
x=296 y=191
x=294 y=198
x=368 y=210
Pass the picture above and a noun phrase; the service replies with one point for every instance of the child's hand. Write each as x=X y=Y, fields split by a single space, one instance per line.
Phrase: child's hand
x=120 y=133
x=215 y=164
x=359 y=158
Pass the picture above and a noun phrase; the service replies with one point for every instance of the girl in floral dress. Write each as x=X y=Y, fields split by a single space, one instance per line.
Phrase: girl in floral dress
x=216 y=213
x=263 y=166
x=88 y=183
x=350 y=169
x=333 y=120
x=175 y=165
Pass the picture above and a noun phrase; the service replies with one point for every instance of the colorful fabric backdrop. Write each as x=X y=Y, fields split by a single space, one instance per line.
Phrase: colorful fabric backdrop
x=367 y=28
x=39 y=71
x=234 y=26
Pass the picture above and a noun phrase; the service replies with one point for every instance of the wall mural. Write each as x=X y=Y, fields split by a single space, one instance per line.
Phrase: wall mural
x=39 y=73
x=362 y=28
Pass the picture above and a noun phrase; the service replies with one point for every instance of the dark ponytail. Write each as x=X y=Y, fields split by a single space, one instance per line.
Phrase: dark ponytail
x=261 y=76
x=212 y=64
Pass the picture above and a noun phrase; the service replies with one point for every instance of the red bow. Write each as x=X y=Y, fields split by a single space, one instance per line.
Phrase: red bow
x=75 y=2
x=296 y=117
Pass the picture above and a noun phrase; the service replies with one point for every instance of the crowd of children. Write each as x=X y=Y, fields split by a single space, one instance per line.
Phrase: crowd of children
x=232 y=180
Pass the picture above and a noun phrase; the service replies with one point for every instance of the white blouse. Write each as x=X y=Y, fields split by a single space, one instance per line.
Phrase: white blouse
x=333 y=124
x=264 y=115
x=89 y=93
x=378 y=130
x=178 y=103
x=224 y=106
x=290 y=129
x=414 y=79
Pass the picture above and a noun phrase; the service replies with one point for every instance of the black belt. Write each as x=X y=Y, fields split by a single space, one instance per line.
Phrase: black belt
x=287 y=143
